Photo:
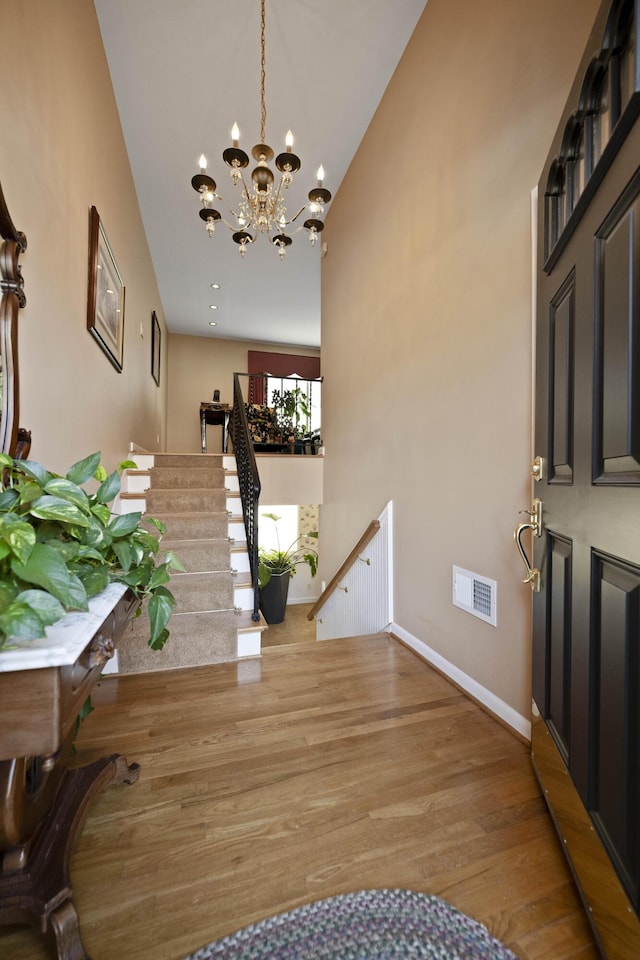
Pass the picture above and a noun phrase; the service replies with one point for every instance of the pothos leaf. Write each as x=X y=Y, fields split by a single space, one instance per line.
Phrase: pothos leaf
x=30 y=492
x=102 y=512
x=124 y=524
x=8 y=592
x=159 y=576
x=94 y=580
x=19 y=536
x=109 y=488
x=158 y=524
x=21 y=621
x=124 y=554
x=45 y=568
x=84 y=469
x=60 y=487
x=55 y=508
x=48 y=609
x=159 y=610
x=8 y=499
x=35 y=470
x=173 y=561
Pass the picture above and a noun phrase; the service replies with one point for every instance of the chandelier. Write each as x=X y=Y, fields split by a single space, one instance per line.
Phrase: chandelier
x=261 y=208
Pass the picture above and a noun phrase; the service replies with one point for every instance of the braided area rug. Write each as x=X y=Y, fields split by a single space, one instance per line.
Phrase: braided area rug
x=369 y=925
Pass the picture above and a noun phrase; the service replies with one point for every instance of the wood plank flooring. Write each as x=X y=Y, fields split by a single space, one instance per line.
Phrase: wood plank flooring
x=295 y=628
x=319 y=769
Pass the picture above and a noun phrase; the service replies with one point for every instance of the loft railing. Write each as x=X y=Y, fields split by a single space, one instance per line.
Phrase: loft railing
x=296 y=401
x=249 y=483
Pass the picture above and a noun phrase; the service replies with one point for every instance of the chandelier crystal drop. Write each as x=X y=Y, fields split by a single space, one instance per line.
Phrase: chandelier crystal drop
x=261 y=207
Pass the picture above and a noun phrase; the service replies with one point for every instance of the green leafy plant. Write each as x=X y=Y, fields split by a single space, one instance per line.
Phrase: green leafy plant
x=278 y=561
x=292 y=410
x=60 y=546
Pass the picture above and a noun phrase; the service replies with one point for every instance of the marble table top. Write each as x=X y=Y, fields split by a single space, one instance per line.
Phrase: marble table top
x=65 y=640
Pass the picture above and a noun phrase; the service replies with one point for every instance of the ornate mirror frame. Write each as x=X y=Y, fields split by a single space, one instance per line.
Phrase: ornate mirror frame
x=13 y=441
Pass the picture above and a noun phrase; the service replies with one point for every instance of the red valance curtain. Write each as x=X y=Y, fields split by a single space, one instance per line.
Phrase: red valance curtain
x=278 y=365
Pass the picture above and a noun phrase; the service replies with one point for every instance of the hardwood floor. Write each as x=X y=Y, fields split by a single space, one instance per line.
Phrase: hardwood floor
x=320 y=769
x=295 y=628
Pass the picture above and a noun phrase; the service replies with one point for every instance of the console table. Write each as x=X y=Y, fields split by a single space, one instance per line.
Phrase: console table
x=43 y=802
x=215 y=413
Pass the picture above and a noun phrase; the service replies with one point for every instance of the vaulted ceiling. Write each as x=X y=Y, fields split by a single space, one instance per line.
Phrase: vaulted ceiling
x=182 y=73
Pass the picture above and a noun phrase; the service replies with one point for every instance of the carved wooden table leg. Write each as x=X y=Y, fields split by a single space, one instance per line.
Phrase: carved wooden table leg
x=40 y=892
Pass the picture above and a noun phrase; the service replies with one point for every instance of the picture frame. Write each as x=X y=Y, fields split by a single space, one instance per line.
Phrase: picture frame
x=155 y=348
x=105 y=301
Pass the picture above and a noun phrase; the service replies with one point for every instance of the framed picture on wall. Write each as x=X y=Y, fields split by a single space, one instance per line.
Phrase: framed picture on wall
x=105 y=303
x=155 y=348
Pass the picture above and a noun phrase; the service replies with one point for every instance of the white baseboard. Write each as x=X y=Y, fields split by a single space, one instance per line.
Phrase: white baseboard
x=510 y=717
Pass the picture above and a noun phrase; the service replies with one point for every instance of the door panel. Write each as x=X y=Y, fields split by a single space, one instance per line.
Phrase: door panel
x=586 y=643
x=559 y=641
x=617 y=449
x=561 y=365
x=614 y=806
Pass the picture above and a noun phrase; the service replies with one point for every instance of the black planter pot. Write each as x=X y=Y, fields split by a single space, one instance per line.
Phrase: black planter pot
x=273 y=597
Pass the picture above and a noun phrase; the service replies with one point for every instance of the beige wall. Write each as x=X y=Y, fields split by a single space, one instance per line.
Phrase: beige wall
x=61 y=151
x=198 y=366
x=295 y=479
x=426 y=337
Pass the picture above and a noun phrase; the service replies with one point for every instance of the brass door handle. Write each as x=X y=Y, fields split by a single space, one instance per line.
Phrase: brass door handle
x=533 y=523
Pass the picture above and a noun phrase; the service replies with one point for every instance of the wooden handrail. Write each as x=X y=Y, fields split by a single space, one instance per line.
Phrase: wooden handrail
x=366 y=538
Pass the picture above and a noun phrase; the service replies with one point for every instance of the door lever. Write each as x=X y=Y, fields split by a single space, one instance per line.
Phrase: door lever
x=534 y=523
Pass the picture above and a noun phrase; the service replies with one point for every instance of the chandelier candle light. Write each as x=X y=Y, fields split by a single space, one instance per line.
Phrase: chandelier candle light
x=262 y=208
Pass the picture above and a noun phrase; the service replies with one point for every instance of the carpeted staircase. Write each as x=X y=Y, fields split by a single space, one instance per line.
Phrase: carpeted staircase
x=193 y=495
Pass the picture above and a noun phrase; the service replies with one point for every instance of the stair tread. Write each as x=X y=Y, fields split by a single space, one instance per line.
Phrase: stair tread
x=192 y=513
x=177 y=574
x=199 y=541
x=241 y=618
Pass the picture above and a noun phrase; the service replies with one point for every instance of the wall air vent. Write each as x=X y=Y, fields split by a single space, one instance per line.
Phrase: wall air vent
x=475 y=594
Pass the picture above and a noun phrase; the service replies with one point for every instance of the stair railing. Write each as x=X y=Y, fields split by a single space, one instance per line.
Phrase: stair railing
x=334 y=583
x=249 y=483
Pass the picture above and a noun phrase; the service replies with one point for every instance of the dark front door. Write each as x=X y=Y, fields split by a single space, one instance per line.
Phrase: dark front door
x=586 y=662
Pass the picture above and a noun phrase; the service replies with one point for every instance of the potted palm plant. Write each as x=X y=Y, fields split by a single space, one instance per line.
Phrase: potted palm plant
x=275 y=569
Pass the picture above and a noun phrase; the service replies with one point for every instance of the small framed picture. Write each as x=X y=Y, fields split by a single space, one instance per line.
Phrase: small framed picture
x=155 y=348
x=105 y=305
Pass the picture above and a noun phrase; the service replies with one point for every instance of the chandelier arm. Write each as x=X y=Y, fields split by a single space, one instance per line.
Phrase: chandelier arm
x=287 y=223
x=232 y=226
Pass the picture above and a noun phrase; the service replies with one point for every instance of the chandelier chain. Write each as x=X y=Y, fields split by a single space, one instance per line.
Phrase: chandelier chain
x=263 y=107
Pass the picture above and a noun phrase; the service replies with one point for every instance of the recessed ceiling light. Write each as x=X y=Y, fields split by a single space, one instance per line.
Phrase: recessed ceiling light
x=213 y=306
x=215 y=286
x=212 y=323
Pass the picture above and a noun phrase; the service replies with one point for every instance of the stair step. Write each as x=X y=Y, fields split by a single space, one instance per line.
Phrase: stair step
x=190 y=526
x=180 y=478
x=196 y=639
x=200 y=554
x=199 y=592
x=135 y=482
x=185 y=501
x=187 y=460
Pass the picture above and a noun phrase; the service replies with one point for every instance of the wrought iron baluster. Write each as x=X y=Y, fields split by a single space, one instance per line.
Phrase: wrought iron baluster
x=249 y=483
